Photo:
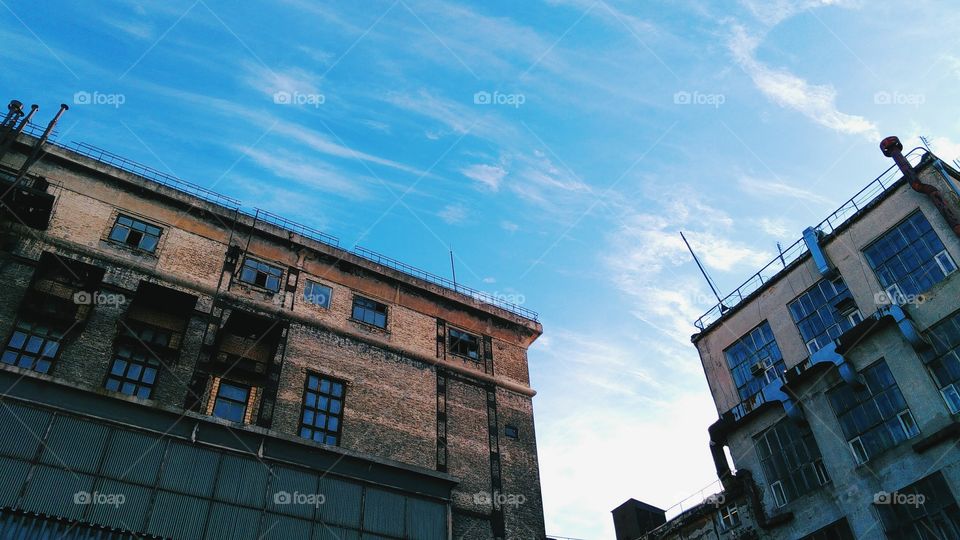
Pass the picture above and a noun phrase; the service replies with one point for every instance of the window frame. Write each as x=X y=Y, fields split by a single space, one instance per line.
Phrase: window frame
x=476 y=341
x=790 y=460
x=246 y=403
x=309 y=285
x=257 y=270
x=934 y=245
x=150 y=362
x=132 y=228
x=330 y=396
x=729 y=519
x=813 y=314
x=37 y=357
x=753 y=358
x=357 y=298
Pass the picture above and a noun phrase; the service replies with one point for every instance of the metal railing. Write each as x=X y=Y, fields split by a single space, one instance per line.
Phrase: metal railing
x=796 y=250
x=292 y=226
x=480 y=296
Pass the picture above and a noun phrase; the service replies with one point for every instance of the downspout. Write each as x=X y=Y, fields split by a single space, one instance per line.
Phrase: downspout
x=892 y=148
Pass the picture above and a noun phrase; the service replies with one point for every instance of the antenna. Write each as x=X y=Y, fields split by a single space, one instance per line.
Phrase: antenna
x=926 y=143
x=704 y=272
x=453 y=270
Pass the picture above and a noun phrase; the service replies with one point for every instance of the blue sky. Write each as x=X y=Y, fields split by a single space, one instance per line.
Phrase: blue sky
x=558 y=147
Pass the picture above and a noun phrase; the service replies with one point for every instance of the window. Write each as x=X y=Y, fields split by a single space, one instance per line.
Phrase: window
x=511 y=432
x=231 y=402
x=322 y=410
x=755 y=361
x=909 y=259
x=261 y=274
x=369 y=311
x=824 y=312
x=729 y=517
x=317 y=294
x=32 y=346
x=923 y=510
x=838 y=530
x=135 y=233
x=791 y=461
x=874 y=418
x=944 y=359
x=464 y=344
x=134 y=372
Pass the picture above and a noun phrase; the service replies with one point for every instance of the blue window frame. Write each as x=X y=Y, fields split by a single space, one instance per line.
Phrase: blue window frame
x=791 y=461
x=943 y=359
x=261 y=274
x=322 y=410
x=231 y=402
x=369 y=311
x=317 y=294
x=824 y=312
x=909 y=259
x=32 y=346
x=755 y=360
x=876 y=417
x=135 y=233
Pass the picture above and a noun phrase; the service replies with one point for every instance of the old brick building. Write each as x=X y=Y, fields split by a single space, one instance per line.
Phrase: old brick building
x=179 y=366
x=835 y=370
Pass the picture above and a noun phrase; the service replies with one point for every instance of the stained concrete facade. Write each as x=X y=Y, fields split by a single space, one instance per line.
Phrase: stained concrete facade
x=798 y=471
x=409 y=400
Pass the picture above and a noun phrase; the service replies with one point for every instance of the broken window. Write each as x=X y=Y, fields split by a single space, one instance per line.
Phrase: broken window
x=791 y=461
x=261 y=274
x=231 y=402
x=876 y=417
x=909 y=259
x=322 y=410
x=729 y=517
x=464 y=344
x=944 y=359
x=134 y=233
x=755 y=361
x=369 y=311
x=317 y=294
x=925 y=509
x=824 y=312
x=32 y=346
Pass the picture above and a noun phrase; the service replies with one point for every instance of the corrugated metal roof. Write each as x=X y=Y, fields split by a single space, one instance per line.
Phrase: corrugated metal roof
x=133 y=457
x=75 y=445
x=277 y=527
x=228 y=522
x=13 y=474
x=242 y=481
x=383 y=512
x=426 y=520
x=189 y=470
x=52 y=491
x=178 y=516
x=22 y=429
x=129 y=513
x=341 y=505
x=286 y=485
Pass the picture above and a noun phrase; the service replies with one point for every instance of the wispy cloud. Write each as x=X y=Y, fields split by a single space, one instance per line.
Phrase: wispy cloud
x=453 y=214
x=305 y=172
x=772 y=189
x=772 y=12
x=489 y=176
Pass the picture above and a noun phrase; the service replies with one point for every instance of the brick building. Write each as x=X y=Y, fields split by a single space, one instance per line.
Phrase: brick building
x=836 y=374
x=179 y=366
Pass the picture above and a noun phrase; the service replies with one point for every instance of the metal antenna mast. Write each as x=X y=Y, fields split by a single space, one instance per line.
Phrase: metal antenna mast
x=702 y=270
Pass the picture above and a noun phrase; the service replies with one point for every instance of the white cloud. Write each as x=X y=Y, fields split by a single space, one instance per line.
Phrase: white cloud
x=772 y=12
x=453 y=214
x=304 y=171
x=773 y=189
x=488 y=176
x=777 y=227
x=509 y=226
x=816 y=102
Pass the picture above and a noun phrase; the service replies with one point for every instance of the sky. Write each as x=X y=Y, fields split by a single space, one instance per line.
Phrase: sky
x=558 y=147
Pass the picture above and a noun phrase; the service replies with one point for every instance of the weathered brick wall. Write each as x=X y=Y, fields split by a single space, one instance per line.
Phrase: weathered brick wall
x=468 y=451
x=521 y=472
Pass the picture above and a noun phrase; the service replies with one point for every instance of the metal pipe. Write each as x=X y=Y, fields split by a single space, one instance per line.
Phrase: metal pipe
x=35 y=153
x=14 y=111
x=893 y=148
x=8 y=142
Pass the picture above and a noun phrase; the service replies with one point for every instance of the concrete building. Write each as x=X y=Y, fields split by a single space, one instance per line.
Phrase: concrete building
x=176 y=366
x=835 y=372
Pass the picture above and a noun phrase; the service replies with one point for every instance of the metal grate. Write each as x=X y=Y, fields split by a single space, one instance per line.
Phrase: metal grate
x=796 y=250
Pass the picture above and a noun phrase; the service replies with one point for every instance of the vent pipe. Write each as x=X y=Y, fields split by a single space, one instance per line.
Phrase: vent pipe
x=8 y=142
x=893 y=148
x=35 y=152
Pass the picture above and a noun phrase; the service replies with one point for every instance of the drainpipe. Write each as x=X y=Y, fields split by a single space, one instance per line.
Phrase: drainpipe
x=892 y=148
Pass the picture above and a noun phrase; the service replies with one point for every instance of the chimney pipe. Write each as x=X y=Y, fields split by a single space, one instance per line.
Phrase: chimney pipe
x=35 y=153
x=893 y=148
x=14 y=111
x=8 y=142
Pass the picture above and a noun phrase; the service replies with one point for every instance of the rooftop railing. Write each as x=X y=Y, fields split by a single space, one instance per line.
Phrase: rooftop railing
x=796 y=250
x=168 y=180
